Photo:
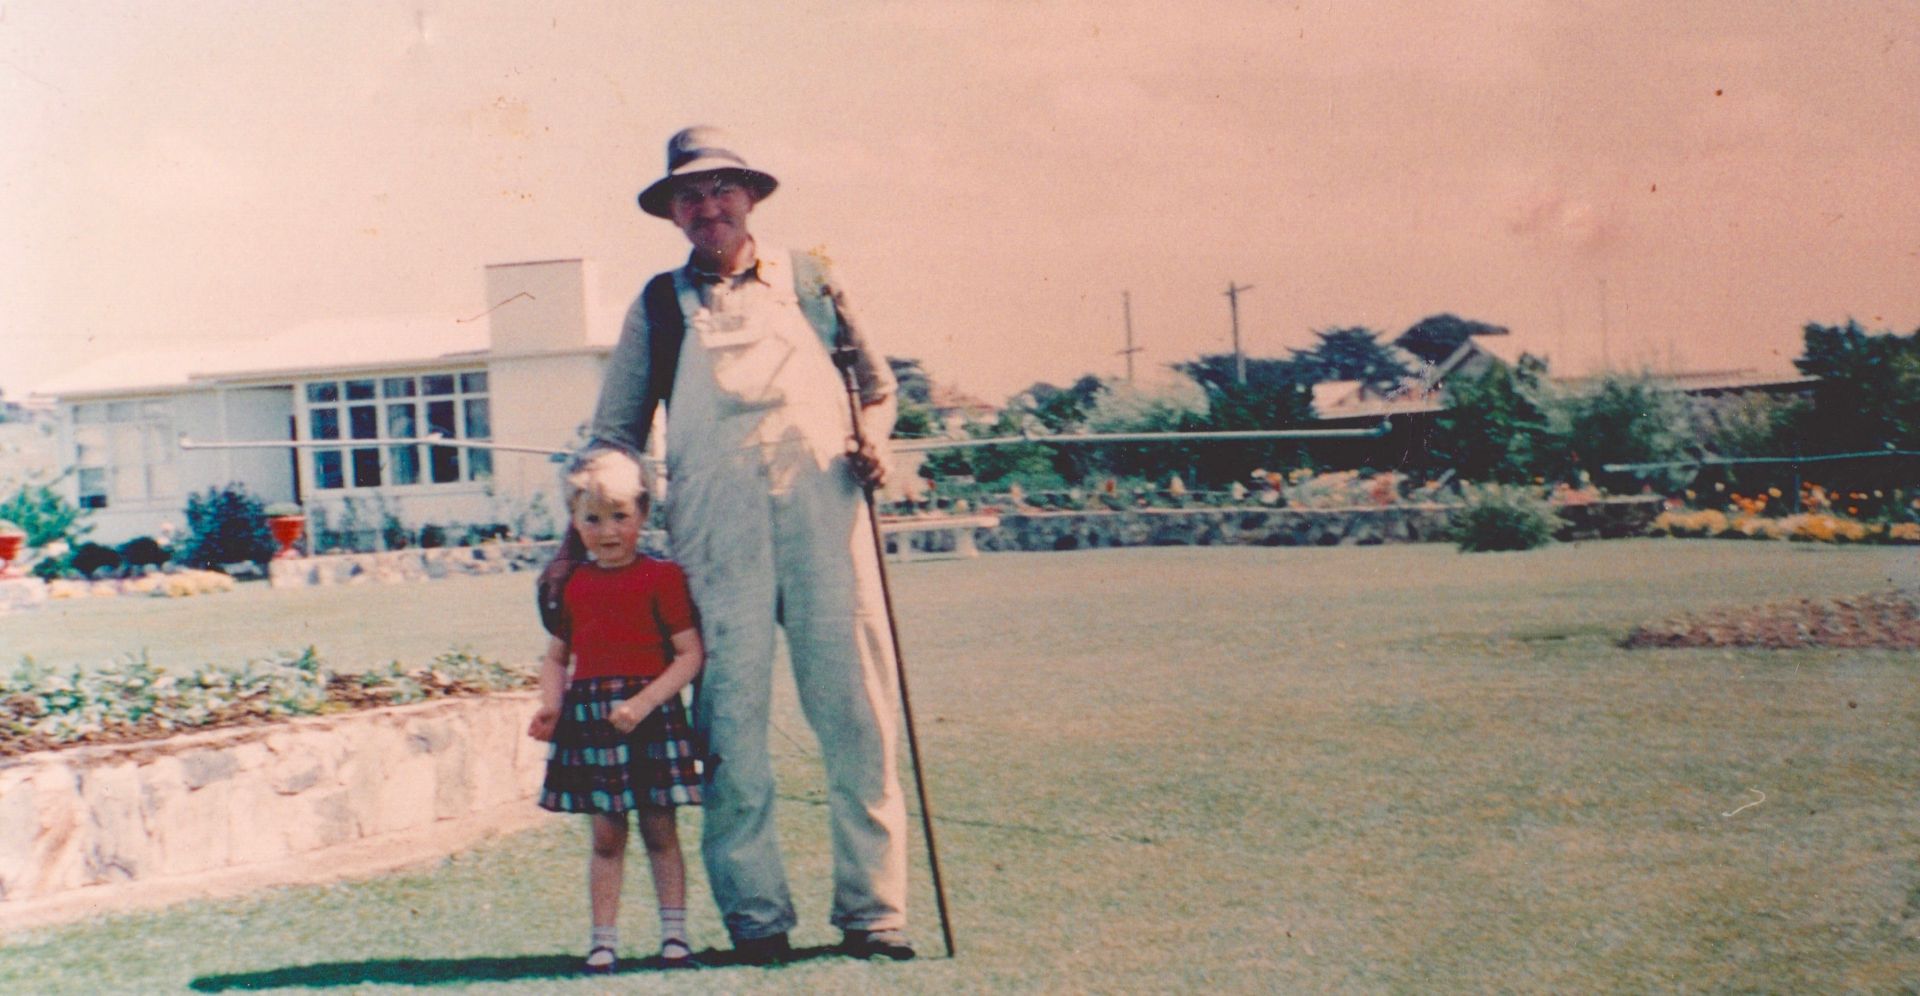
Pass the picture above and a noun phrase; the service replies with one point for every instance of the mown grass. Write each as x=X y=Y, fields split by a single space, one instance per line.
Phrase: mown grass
x=1395 y=769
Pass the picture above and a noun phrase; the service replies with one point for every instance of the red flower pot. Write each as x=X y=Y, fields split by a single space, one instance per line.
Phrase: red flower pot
x=10 y=544
x=286 y=531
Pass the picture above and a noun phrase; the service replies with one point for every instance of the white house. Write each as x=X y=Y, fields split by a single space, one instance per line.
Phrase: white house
x=525 y=372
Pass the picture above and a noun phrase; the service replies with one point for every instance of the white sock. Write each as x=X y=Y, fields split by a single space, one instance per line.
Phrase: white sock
x=673 y=925
x=603 y=937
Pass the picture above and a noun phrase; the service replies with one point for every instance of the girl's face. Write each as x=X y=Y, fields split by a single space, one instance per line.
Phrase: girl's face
x=610 y=529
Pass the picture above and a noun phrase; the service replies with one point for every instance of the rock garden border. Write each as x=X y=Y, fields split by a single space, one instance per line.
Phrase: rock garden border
x=104 y=828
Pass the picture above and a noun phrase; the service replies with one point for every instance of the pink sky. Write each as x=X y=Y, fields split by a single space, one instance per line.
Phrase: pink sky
x=990 y=176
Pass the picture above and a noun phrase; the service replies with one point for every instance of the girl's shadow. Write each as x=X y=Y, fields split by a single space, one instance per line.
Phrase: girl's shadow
x=441 y=971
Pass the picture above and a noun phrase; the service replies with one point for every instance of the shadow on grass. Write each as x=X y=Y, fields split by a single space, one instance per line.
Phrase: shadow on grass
x=455 y=971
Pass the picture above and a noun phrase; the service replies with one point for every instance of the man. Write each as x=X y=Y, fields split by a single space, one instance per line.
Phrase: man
x=766 y=514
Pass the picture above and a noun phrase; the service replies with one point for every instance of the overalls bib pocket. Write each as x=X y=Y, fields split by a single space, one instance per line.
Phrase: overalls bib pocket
x=747 y=362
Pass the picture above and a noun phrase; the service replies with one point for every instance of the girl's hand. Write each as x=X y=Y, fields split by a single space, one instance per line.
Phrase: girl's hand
x=543 y=723
x=627 y=715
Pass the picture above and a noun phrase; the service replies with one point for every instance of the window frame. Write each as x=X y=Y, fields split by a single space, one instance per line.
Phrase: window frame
x=124 y=452
x=351 y=405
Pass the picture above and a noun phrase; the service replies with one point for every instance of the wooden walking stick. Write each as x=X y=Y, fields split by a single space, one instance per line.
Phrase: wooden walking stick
x=846 y=355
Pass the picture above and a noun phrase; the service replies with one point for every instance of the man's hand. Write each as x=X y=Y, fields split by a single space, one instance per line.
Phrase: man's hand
x=543 y=723
x=869 y=467
x=627 y=715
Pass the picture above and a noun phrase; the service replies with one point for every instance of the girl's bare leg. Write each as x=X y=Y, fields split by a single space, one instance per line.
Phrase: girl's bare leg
x=660 y=831
x=607 y=867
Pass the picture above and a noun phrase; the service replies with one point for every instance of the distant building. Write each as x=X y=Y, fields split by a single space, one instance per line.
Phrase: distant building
x=955 y=408
x=1424 y=393
x=526 y=372
x=29 y=445
x=1412 y=406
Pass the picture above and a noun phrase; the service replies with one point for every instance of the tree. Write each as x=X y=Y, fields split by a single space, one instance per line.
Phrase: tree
x=45 y=514
x=915 y=385
x=1436 y=337
x=1354 y=353
x=1216 y=371
x=1624 y=419
x=1494 y=426
x=915 y=418
x=1278 y=394
x=1868 y=397
x=1063 y=409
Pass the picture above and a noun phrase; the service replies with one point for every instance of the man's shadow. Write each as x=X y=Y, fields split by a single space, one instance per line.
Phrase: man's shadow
x=444 y=971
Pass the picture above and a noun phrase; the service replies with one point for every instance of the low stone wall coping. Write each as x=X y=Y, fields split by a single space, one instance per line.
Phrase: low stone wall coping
x=226 y=800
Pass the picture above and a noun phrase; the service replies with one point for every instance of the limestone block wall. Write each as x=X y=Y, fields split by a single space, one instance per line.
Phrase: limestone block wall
x=408 y=565
x=1215 y=527
x=1038 y=530
x=203 y=802
x=427 y=564
x=22 y=593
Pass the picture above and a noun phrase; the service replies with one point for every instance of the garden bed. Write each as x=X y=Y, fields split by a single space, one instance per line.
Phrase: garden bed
x=1884 y=621
x=255 y=796
x=44 y=708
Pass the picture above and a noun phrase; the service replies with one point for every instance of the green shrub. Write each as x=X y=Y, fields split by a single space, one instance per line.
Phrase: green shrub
x=43 y=707
x=225 y=526
x=92 y=558
x=51 y=567
x=1502 y=518
x=44 y=515
x=143 y=551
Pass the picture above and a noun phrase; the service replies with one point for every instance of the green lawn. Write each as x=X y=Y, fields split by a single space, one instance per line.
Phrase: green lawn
x=1394 y=769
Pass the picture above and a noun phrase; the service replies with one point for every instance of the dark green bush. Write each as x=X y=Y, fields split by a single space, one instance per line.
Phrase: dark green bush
x=1503 y=518
x=143 y=551
x=225 y=526
x=92 y=558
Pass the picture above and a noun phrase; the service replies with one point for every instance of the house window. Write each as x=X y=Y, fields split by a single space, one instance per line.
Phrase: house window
x=124 y=452
x=453 y=405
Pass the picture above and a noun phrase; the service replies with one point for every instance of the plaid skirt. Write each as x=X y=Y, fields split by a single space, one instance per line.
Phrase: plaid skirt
x=594 y=768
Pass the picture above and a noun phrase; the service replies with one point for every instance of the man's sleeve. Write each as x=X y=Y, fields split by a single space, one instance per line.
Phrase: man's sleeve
x=879 y=391
x=624 y=413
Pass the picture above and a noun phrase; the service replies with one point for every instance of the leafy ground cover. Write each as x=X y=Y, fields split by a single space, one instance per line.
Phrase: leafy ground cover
x=1395 y=768
x=46 y=707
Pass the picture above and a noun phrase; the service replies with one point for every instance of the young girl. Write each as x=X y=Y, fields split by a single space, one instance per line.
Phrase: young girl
x=619 y=736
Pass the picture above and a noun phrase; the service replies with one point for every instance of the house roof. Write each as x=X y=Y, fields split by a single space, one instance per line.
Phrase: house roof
x=951 y=399
x=317 y=347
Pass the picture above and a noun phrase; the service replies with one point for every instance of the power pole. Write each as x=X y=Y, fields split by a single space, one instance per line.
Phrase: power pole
x=1126 y=313
x=1239 y=357
x=1605 y=365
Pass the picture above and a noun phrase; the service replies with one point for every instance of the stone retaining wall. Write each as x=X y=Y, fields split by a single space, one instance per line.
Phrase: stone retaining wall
x=200 y=803
x=427 y=563
x=409 y=565
x=1037 y=530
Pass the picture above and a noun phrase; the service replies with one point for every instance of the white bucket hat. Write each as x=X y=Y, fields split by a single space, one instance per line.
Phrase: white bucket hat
x=701 y=149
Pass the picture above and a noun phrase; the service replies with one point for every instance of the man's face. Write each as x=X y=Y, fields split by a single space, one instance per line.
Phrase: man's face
x=712 y=209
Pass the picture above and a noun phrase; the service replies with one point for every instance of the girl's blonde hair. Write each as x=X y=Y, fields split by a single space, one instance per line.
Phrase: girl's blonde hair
x=606 y=473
